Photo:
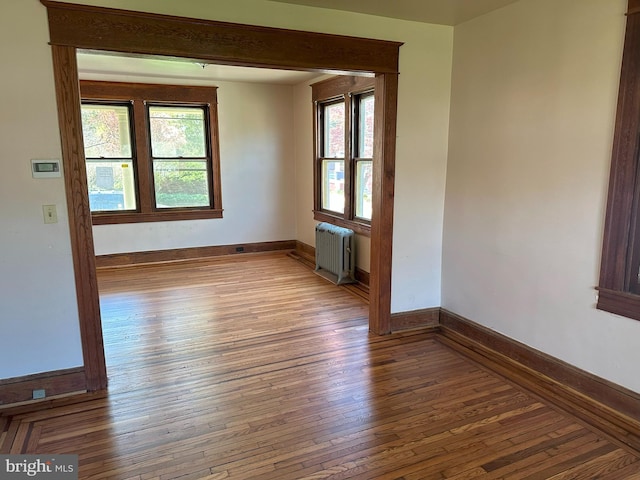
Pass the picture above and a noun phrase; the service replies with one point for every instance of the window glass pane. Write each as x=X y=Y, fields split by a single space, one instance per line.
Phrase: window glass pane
x=111 y=185
x=177 y=132
x=365 y=128
x=363 y=200
x=181 y=183
x=333 y=185
x=333 y=130
x=106 y=131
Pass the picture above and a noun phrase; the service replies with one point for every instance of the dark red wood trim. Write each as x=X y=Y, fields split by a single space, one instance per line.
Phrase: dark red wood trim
x=59 y=382
x=158 y=216
x=305 y=249
x=362 y=276
x=634 y=7
x=386 y=99
x=342 y=85
x=93 y=89
x=69 y=117
x=620 y=303
x=357 y=227
x=220 y=42
x=620 y=213
x=178 y=254
x=216 y=172
x=623 y=164
x=424 y=318
x=608 y=406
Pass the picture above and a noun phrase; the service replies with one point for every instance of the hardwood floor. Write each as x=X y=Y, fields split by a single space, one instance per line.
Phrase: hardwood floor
x=252 y=367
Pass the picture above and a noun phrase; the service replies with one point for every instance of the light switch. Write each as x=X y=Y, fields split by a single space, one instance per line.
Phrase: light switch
x=50 y=214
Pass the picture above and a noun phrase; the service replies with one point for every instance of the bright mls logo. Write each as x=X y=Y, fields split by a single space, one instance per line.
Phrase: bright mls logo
x=50 y=467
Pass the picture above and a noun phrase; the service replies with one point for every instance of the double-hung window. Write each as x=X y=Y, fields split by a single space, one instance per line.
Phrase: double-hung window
x=343 y=151
x=151 y=152
x=109 y=156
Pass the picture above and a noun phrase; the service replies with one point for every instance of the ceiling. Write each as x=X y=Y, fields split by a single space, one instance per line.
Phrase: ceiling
x=443 y=12
x=94 y=65
x=106 y=66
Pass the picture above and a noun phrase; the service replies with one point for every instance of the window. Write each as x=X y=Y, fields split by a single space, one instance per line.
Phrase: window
x=343 y=151
x=151 y=152
x=619 y=287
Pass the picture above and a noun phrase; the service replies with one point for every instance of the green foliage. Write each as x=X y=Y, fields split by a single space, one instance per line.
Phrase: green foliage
x=180 y=180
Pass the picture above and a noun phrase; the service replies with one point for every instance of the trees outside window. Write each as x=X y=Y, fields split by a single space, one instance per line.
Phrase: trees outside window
x=151 y=152
x=343 y=151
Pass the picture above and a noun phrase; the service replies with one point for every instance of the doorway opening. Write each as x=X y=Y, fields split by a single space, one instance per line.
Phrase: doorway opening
x=74 y=27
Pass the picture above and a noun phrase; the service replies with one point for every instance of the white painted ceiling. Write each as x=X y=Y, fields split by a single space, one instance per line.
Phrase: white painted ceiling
x=104 y=66
x=114 y=67
x=443 y=12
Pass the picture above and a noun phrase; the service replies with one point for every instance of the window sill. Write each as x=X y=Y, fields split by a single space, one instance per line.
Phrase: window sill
x=161 y=216
x=357 y=227
x=620 y=303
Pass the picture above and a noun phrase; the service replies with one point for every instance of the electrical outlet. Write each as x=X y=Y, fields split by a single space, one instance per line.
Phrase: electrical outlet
x=38 y=394
x=50 y=214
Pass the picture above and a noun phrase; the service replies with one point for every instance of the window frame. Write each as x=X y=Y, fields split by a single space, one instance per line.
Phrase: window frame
x=327 y=92
x=357 y=148
x=141 y=96
x=322 y=156
x=132 y=145
x=621 y=241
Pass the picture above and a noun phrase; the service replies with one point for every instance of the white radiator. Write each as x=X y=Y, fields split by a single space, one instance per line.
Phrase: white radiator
x=335 y=256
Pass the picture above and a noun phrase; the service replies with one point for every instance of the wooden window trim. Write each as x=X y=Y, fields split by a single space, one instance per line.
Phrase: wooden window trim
x=355 y=142
x=139 y=94
x=324 y=92
x=621 y=222
x=73 y=26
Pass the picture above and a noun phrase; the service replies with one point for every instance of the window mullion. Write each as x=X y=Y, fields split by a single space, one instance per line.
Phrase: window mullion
x=317 y=153
x=215 y=185
x=143 y=156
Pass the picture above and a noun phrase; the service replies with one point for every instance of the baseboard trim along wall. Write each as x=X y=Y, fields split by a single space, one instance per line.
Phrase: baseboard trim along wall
x=425 y=318
x=612 y=408
x=159 y=256
x=609 y=407
x=58 y=382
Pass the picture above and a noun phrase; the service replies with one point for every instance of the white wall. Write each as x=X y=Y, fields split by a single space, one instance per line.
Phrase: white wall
x=532 y=119
x=256 y=161
x=38 y=312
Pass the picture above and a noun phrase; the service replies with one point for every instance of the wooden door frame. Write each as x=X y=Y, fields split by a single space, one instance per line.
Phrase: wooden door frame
x=73 y=27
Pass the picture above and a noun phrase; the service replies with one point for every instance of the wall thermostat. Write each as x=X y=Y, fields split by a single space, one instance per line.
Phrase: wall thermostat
x=45 y=168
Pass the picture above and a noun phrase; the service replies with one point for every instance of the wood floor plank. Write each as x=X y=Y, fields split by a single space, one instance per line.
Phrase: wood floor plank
x=252 y=367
